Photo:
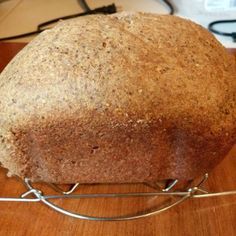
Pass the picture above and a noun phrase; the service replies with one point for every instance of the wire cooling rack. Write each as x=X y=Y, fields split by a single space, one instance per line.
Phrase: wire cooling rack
x=33 y=195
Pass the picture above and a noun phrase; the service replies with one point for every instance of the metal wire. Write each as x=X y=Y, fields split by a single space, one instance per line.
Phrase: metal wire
x=60 y=190
x=35 y=195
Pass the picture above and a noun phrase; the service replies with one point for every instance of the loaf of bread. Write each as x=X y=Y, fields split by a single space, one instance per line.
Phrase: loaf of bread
x=129 y=97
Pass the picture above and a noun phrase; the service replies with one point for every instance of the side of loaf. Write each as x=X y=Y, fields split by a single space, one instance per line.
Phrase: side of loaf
x=129 y=97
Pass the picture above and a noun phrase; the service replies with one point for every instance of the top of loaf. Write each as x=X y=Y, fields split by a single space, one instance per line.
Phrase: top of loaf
x=138 y=67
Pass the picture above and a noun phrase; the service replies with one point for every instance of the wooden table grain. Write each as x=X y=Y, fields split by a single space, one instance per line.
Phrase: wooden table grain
x=210 y=216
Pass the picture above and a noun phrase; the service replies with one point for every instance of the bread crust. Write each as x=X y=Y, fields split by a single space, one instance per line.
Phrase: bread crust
x=131 y=97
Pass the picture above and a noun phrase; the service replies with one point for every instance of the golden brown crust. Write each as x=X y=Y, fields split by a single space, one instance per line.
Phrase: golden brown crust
x=89 y=151
x=130 y=97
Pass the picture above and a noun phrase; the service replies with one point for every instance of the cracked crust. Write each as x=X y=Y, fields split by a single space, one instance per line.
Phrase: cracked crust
x=129 y=97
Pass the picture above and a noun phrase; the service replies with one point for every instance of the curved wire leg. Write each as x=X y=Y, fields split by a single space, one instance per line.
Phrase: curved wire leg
x=39 y=195
x=118 y=218
x=60 y=190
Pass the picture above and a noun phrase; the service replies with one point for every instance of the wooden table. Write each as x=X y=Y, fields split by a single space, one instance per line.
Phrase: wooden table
x=211 y=216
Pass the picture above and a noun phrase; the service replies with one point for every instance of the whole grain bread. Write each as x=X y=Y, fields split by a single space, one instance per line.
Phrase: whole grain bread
x=129 y=97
